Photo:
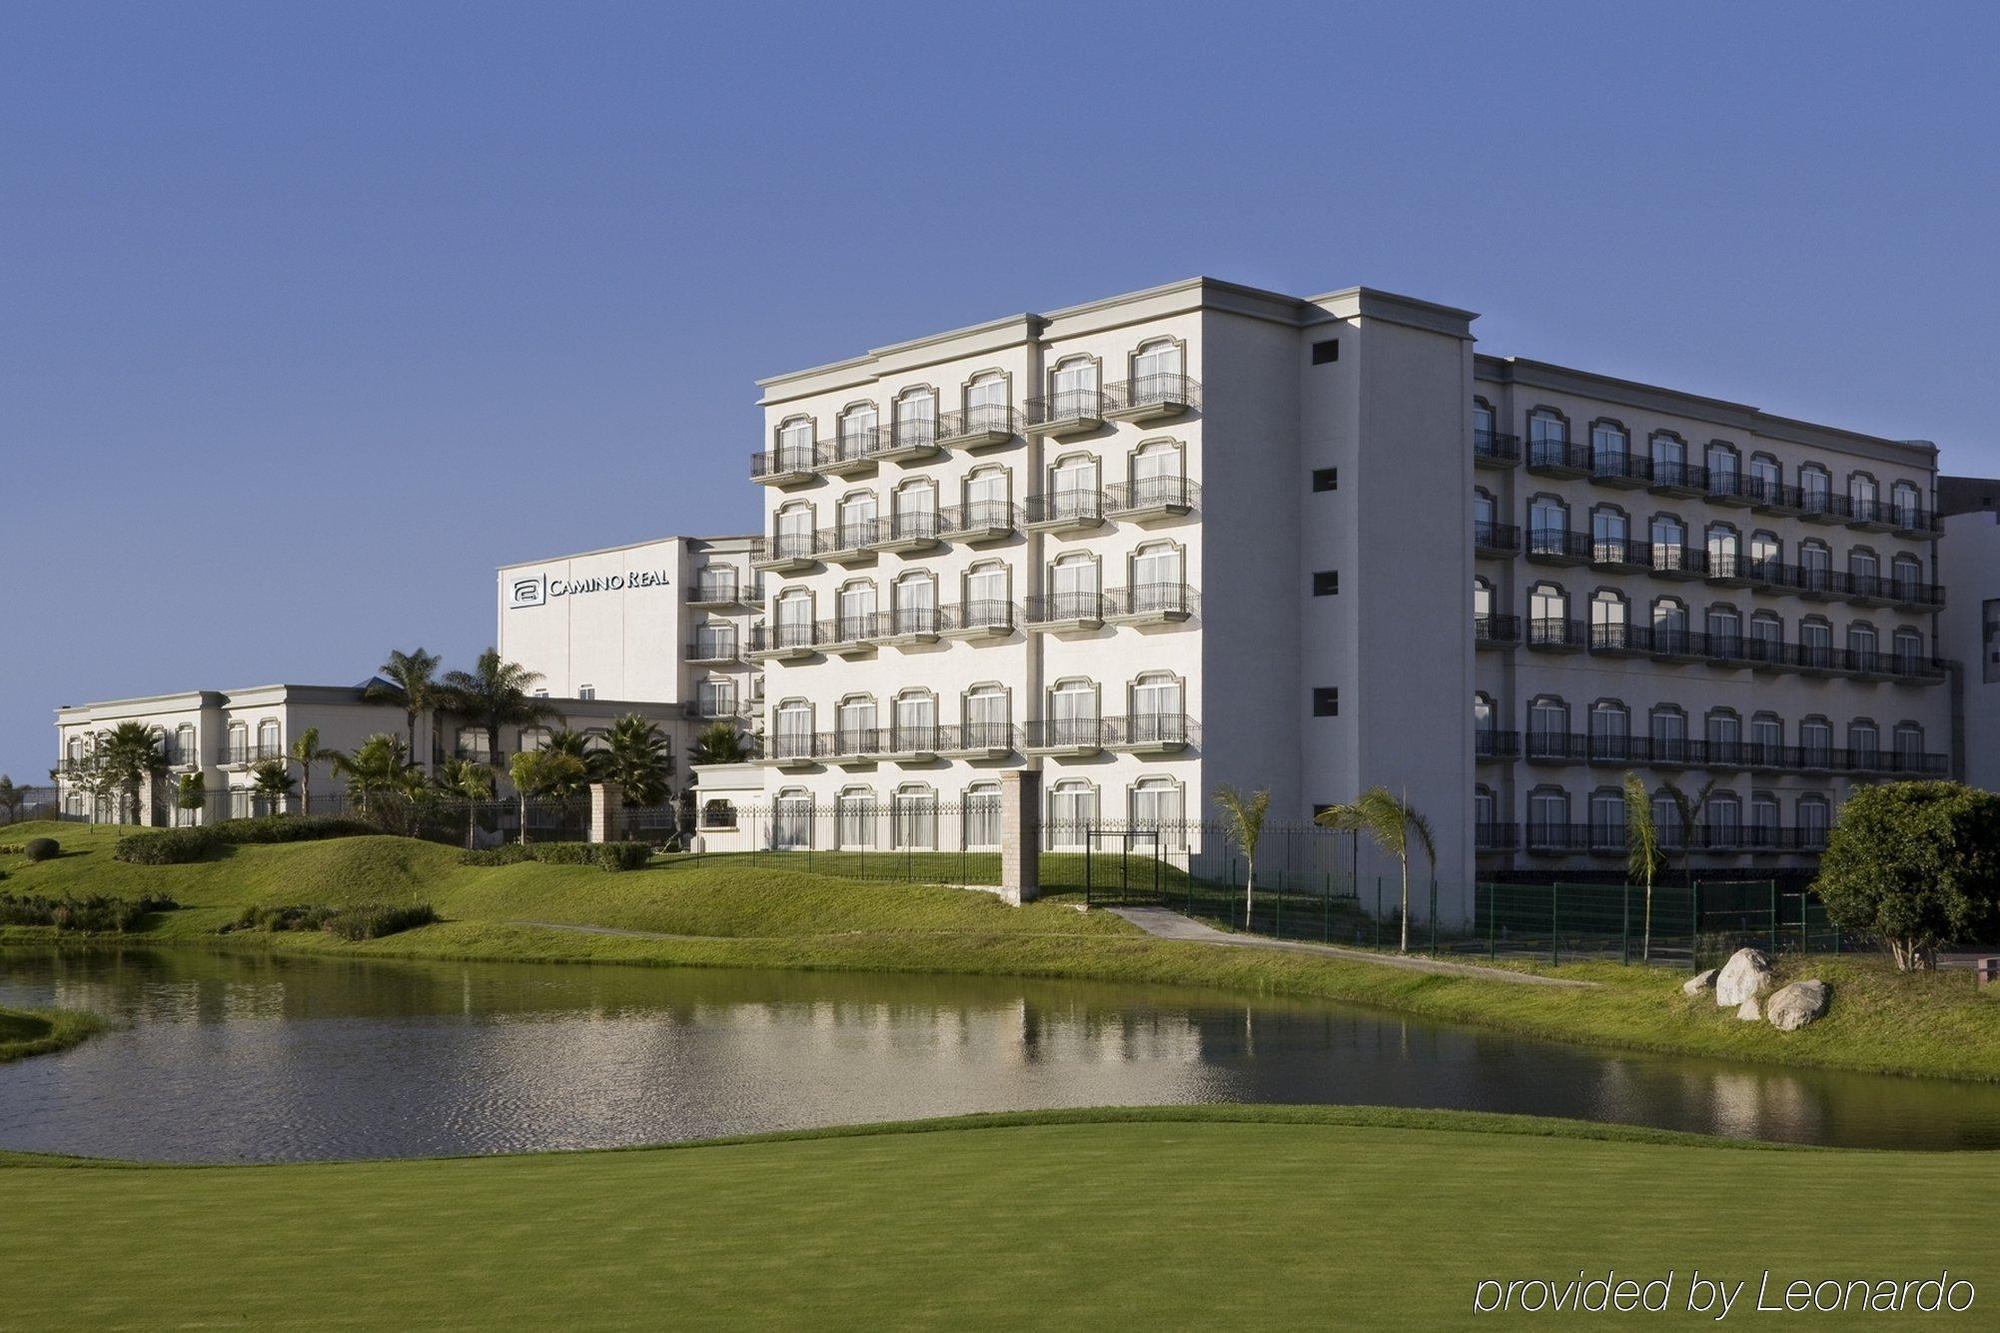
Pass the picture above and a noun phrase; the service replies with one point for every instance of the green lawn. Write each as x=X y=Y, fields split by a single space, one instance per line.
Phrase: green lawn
x=1178 y=1218
x=754 y=913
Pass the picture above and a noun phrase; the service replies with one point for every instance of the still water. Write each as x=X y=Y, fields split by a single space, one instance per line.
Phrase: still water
x=231 y=1057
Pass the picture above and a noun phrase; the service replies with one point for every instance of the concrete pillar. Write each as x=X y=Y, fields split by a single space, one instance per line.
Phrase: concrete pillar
x=607 y=812
x=1020 y=835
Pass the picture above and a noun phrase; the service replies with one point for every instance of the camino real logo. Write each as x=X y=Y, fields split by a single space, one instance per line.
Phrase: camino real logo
x=540 y=589
x=528 y=592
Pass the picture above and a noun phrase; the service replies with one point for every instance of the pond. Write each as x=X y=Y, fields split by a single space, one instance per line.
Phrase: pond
x=247 y=1057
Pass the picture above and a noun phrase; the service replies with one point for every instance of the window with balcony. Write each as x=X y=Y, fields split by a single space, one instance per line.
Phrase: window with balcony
x=1724 y=626
x=916 y=510
x=1766 y=552
x=986 y=402
x=855 y=612
x=1864 y=742
x=1908 y=740
x=1816 y=642
x=1667 y=820
x=792 y=728
x=1669 y=457
x=1548 y=818
x=1765 y=819
x=1862 y=494
x=916 y=418
x=1669 y=537
x=1668 y=726
x=1767 y=734
x=1156 y=804
x=854 y=725
x=793 y=537
x=858 y=427
x=1722 y=817
x=794 y=614
x=1548 y=607
x=1072 y=717
x=1158 y=707
x=1725 y=547
x=1548 y=716
x=1482 y=601
x=1548 y=521
x=854 y=818
x=1767 y=628
x=982 y=815
x=1609 y=616
x=1485 y=814
x=1725 y=467
x=1074 y=588
x=1816 y=565
x=1610 y=534
x=1072 y=810
x=792 y=819
x=857 y=520
x=1485 y=721
x=795 y=445
x=916 y=721
x=1548 y=436
x=1723 y=730
x=1610 y=447
x=1610 y=730
x=1158 y=475
x=267 y=739
x=1909 y=648
x=1814 y=817
x=1862 y=642
x=1864 y=568
x=1073 y=388
x=1670 y=622
x=989 y=717
x=915 y=611
x=1607 y=818
x=1908 y=504
x=1767 y=477
x=1485 y=425
x=185 y=750
x=1158 y=578
x=1816 y=741
x=714 y=697
x=1815 y=485
x=1908 y=573
x=715 y=640
x=988 y=598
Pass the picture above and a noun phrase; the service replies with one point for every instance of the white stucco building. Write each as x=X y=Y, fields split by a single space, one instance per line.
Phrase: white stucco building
x=1970 y=561
x=1206 y=534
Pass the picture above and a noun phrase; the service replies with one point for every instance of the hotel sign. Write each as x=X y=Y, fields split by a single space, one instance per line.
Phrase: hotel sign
x=540 y=589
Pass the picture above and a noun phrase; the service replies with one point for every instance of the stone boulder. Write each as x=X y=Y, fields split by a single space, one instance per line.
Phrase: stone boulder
x=1745 y=976
x=1796 y=1005
x=1750 y=1011
x=1699 y=982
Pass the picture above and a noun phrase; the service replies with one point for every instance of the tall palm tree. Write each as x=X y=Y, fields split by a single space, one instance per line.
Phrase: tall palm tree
x=1643 y=858
x=641 y=758
x=473 y=783
x=719 y=743
x=1393 y=823
x=305 y=752
x=1245 y=816
x=129 y=756
x=379 y=767
x=496 y=694
x=596 y=760
x=410 y=680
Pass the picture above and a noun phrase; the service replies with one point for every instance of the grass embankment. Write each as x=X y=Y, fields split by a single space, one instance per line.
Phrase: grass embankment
x=26 y=1032
x=1233 y=1216
x=759 y=915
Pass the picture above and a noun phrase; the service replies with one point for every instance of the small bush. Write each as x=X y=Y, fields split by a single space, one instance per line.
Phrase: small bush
x=507 y=854
x=290 y=828
x=168 y=847
x=41 y=849
x=624 y=855
x=372 y=923
x=94 y=913
x=605 y=855
x=282 y=918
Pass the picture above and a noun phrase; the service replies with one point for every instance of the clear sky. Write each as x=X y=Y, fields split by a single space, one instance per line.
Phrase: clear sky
x=311 y=315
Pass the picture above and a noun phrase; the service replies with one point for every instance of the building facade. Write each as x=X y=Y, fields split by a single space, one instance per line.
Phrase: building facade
x=1204 y=534
x=1970 y=561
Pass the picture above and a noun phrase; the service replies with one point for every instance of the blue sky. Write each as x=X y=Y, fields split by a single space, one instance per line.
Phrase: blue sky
x=310 y=316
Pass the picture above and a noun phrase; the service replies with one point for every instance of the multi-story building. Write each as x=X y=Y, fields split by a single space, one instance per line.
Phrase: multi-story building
x=1205 y=534
x=1970 y=560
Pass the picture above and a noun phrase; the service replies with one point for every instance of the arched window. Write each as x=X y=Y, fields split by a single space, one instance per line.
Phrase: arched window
x=1607 y=819
x=1766 y=551
x=854 y=726
x=1670 y=625
x=715 y=641
x=1725 y=468
x=792 y=539
x=268 y=746
x=1907 y=572
x=715 y=697
x=916 y=418
x=1482 y=602
x=1158 y=707
x=1610 y=535
x=989 y=497
x=1548 y=819
x=1815 y=565
x=1074 y=590
x=1669 y=458
x=1862 y=495
x=857 y=521
x=1073 y=388
x=856 y=612
x=1814 y=817
x=1862 y=644
x=792 y=723
x=1610 y=449
x=1158 y=476
x=987 y=408
x=860 y=432
x=915 y=611
x=1485 y=723
x=1485 y=425
x=795 y=444
x=1864 y=743
x=1072 y=811
x=915 y=515
x=1668 y=725
x=854 y=818
x=1724 y=625
x=1156 y=369
x=982 y=815
x=1767 y=629
x=1548 y=604
x=1765 y=819
x=1156 y=804
x=1909 y=648
x=1485 y=514
x=1725 y=549
x=1610 y=731
x=988 y=596
x=916 y=722
x=1485 y=819
x=1548 y=438
x=1073 y=488
x=1864 y=570
x=988 y=714
x=1608 y=620
x=1722 y=821
x=1767 y=478
x=1816 y=741
x=1767 y=738
x=1815 y=642
x=1815 y=487
x=1669 y=542
x=1159 y=582
x=1072 y=717
x=1722 y=729
x=186 y=753
x=1548 y=523
x=914 y=817
x=1548 y=716
x=1908 y=504
x=1908 y=739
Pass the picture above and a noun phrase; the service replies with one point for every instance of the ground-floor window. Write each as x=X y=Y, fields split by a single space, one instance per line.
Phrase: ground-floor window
x=982 y=816
x=791 y=821
x=914 y=814
x=240 y=802
x=854 y=819
x=1072 y=810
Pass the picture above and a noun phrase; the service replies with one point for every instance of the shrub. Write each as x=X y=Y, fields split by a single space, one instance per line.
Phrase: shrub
x=507 y=854
x=1915 y=864
x=94 y=913
x=623 y=855
x=605 y=855
x=281 y=918
x=290 y=828
x=168 y=847
x=41 y=849
x=371 y=923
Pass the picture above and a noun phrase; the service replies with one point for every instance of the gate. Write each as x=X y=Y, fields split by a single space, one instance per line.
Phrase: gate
x=1122 y=867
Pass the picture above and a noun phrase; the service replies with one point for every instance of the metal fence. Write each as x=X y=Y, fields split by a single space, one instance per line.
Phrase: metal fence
x=29 y=803
x=1690 y=925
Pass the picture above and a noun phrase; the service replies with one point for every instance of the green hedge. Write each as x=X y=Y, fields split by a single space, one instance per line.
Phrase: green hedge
x=368 y=921
x=96 y=912
x=605 y=855
x=167 y=847
x=290 y=828
x=41 y=849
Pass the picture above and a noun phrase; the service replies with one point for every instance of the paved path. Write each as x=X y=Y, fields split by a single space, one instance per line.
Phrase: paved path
x=1169 y=925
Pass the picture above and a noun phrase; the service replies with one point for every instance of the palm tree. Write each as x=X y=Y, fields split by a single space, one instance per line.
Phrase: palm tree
x=495 y=694
x=596 y=760
x=1392 y=822
x=1245 y=815
x=128 y=756
x=549 y=774
x=408 y=679
x=640 y=760
x=268 y=778
x=306 y=752
x=1643 y=858
x=379 y=766
x=719 y=743
x=1689 y=809
x=473 y=782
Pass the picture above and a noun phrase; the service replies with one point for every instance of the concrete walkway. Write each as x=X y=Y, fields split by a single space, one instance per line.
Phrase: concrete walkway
x=1169 y=925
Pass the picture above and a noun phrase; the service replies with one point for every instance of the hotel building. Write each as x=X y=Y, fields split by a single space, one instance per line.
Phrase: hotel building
x=1206 y=534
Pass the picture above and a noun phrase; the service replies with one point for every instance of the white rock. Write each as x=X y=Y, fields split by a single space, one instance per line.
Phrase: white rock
x=1698 y=983
x=1746 y=975
x=1797 y=1005
x=1750 y=1011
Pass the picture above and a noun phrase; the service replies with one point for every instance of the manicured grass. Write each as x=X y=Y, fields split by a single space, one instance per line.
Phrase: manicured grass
x=26 y=1032
x=731 y=913
x=1174 y=1218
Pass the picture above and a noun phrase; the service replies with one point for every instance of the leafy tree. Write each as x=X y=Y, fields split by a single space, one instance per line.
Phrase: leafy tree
x=1393 y=823
x=1643 y=858
x=719 y=743
x=471 y=782
x=409 y=680
x=305 y=752
x=189 y=794
x=128 y=757
x=270 y=779
x=1915 y=864
x=1245 y=817
x=546 y=775
x=379 y=768
x=496 y=693
x=640 y=760
x=11 y=798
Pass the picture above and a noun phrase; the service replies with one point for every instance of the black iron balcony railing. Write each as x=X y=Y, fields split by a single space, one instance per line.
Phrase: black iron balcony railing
x=915 y=433
x=785 y=461
x=1672 y=474
x=712 y=650
x=1064 y=607
x=1173 y=494
x=782 y=547
x=1488 y=743
x=1558 y=544
x=1496 y=629
x=792 y=745
x=852 y=535
x=854 y=444
x=980 y=518
x=978 y=736
x=249 y=754
x=1619 y=748
x=853 y=627
x=1496 y=446
x=911 y=525
x=1621 y=551
x=1139 y=730
x=1499 y=537
x=978 y=423
x=724 y=593
x=1558 y=455
x=1494 y=837
x=978 y=614
x=784 y=636
x=1620 y=465
x=1154 y=599
x=1550 y=632
x=1079 y=406
x=1066 y=506
x=1142 y=392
